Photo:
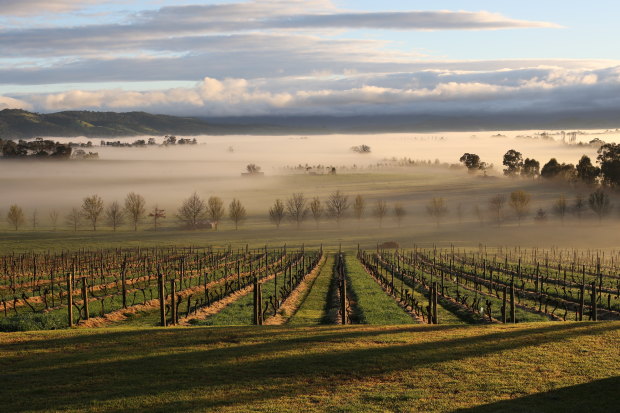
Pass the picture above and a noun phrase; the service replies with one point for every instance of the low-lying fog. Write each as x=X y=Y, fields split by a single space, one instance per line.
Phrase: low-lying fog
x=167 y=175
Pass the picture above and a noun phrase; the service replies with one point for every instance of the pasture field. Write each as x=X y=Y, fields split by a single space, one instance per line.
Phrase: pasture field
x=542 y=367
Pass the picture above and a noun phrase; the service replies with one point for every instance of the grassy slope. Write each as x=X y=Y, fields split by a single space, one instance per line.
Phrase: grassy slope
x=375 y=306
x=542 y=367
x=311 y=311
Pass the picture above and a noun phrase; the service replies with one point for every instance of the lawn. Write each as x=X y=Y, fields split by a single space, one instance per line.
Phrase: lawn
x=542 y=367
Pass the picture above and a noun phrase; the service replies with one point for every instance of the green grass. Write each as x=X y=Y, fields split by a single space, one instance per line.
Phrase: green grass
x=312 y=310
x=542 y=367
x=373 y=304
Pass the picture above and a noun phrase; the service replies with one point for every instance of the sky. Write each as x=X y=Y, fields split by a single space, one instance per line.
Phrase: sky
x=311 y=57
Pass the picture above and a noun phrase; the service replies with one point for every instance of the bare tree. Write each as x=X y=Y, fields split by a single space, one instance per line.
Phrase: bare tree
x=215 y=210
x=54 y=218
x=479 y=214
x=157 y=214
x=399 y=213
x=337 y=205
x=34 y=220
x=579 y=206
x=520 y=203
x=74 y=218
x=496 y=206
x=380 y=211
x=92 y=207
x=114 y=215
x=560 y=208
x=276 y=213
x=236 y=212
x=134 y=208
x=358 y=207
x=599 y=203
x=193 y=211
x=297 y=208
x=317 y=210
x=16 y=217
x=437 y=209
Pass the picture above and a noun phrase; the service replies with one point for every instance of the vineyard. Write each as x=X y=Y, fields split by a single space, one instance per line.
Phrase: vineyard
x=206 y=286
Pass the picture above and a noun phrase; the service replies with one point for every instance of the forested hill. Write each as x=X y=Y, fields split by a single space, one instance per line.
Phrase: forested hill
x=21 y=124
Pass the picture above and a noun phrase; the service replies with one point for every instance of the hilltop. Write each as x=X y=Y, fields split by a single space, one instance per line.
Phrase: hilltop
x=21 y=124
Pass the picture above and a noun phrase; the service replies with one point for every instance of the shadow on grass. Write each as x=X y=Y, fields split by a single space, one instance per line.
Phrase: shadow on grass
x=596 y=396
x=215 y=368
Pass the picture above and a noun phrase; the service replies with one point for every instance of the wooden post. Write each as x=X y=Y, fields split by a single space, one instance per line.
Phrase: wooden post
x=70 y=299
x=124 y=287
x=435 y=320
x=513 y=318
x=343 y=294
x=504 y=305
x=173 y=302
x=260 y=304
x=85 y=299
x=594 y=315
x=255 y=302
x=582 y=301
x=162 y=299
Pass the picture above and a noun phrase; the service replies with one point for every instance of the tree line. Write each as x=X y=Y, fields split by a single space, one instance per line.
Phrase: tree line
x=606 y=174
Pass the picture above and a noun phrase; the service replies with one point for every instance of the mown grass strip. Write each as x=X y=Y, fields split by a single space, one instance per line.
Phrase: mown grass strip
x=312 y=310
x=373 y=304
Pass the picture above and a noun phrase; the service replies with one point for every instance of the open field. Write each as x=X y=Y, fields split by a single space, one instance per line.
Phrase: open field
x=543 y=367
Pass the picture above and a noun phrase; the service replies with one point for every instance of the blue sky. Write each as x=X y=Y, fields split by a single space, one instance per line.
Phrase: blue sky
x=258 y=57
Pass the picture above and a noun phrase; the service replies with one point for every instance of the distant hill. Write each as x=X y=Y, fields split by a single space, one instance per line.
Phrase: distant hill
x=21 y=124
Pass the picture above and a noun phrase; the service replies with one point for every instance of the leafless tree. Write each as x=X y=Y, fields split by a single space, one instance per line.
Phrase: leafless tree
x=92 y=207
x=579 y=206
x=54 y=218
x=337 y=205
x=479 y=214
x=157 y=214
x=193 y=211
x=599 y=203
x=560 y=208
x=399 y=213
x=437 y=209
x=114 y=215
x=236 y=212
x=316 y=208
x=358 y=207
x=134 y=208
x=276 y=213
x=15 y=216
x=74 y=218
x=380 y=211
x=215 y=210
x=34 y=220
x=297 y=208
x=496 y=206
x=520 y=203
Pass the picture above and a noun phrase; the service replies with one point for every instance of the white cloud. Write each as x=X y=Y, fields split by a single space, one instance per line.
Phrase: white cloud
x=11 y=103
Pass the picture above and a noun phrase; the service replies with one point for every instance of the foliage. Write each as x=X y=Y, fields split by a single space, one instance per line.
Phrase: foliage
x=531 y=168
x=472 y=162
x=513 y=161
x=609 y=159
x=586 y=172
x=15 y=216
x=520 y=201
x=553 y=169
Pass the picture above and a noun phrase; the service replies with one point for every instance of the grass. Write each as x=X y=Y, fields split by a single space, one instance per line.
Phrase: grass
x=542 y=367
x=312 y=310
x=373 y=304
